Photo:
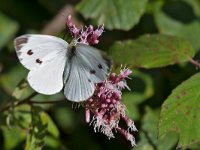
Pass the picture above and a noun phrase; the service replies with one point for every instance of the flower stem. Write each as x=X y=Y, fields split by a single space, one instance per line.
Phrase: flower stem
x=194 y=62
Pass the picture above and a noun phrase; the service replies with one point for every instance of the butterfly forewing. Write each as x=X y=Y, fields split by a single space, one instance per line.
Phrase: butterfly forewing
x=45 y=57
x=34 y=49
x=49 y=78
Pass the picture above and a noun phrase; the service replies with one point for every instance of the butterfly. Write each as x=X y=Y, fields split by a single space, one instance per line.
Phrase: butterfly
x=53 y=63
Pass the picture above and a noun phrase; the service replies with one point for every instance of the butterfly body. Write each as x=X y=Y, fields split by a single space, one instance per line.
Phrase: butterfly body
x=53 y=63
x=71 y=52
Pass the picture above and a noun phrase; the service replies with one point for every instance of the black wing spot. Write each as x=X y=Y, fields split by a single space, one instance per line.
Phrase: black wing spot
x=30 y=52
x=100 y=66
x=38 y=61
x=89 y=80
x=92 y=71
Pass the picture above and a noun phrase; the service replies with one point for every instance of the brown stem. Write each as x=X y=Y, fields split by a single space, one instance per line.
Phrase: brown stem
x=194 y=62
x=26 y=100
x=57 y=24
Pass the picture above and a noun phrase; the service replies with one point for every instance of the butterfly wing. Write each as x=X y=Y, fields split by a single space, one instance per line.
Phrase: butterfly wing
x=95 y=62
x=45 y=57
x=87 y=67
x=33 y=49
x=78 y=85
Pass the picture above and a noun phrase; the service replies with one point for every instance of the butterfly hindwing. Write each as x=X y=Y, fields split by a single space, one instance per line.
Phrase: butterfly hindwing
x=78 y=86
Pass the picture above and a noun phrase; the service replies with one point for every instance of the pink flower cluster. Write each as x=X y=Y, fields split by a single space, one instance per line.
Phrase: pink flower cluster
x=88 y=36
x=105 y=105
x=108 y=109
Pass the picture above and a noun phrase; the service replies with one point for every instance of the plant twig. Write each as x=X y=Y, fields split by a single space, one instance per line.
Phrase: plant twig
x=194 y=62
x=57 y=24
x=26 y=100
x=48 y=102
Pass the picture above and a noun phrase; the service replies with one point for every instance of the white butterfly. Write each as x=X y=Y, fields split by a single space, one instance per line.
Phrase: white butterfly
x=53 y=63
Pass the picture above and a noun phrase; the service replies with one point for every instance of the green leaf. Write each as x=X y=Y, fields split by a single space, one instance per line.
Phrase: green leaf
x=38 y=129
x=51 y=142
x=114 y=14
x=64 y=117
x=3 y=119
x=151 y=51
x=10 y=79
x=138 y=95
x=148 y=133
x=168 y=25
x=22 y=90
x=12 y=137
x=19 y=116
x=14 y=82
x=195 y=4
x=8 y=28
x=52 y=128
x=180 y=112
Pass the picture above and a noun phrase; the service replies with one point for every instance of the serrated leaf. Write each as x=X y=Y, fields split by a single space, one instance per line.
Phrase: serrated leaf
x=114 y=14
x=151 y=51
x=148 y=133
x=8 y=28
x=180 y=112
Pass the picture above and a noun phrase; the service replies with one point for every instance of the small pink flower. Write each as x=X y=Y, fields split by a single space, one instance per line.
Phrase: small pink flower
x=88 y=36
x=108 y=109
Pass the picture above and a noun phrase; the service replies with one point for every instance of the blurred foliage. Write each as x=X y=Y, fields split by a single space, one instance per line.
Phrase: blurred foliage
x=117 y=16
x=156 y=38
